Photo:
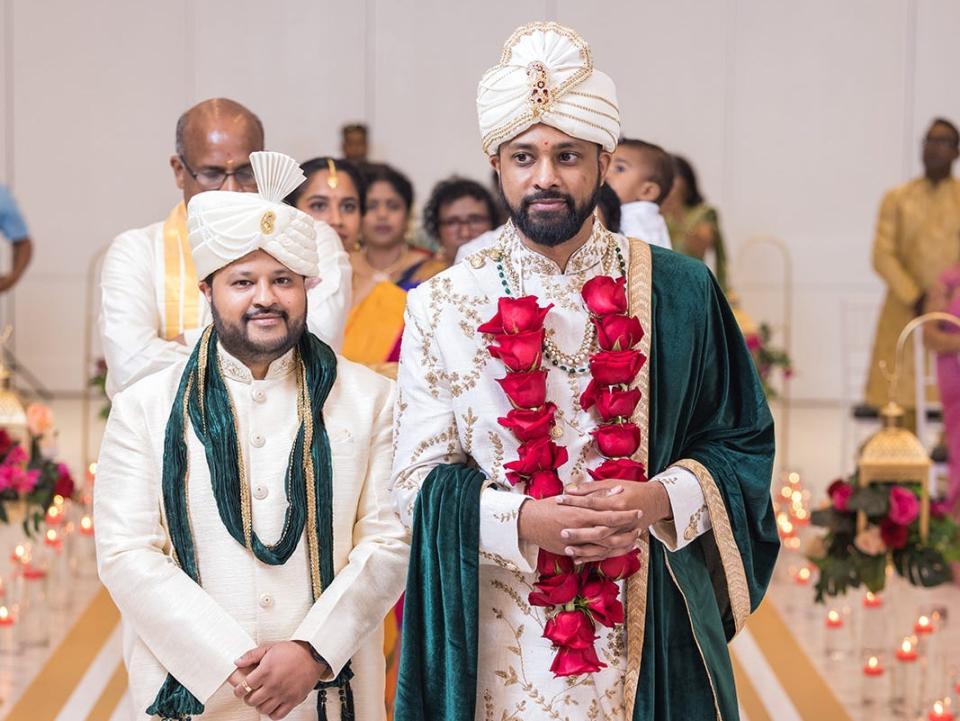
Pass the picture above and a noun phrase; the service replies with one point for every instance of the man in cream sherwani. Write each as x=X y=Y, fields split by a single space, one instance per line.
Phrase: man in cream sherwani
x=253 y=557
x=152 y=313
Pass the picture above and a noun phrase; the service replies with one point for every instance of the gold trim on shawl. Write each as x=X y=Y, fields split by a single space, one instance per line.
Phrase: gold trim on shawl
x=737 y=587
x=640 y=289
x=181 y=296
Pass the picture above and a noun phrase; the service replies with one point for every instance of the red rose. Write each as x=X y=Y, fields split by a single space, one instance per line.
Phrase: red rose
x=539 y=455
x=525 y=390
x=840 y=493
x=528 y=425
x=555 y=590
x=613 y=403
x=576 y=661
x=621 y=469
x=893 y=535
x=64 y=485
x=619 y=567
x=553 y=564
x=572 y=629
x=604 y=295
x=904 y=506
x=618 y=332
x=520 y=352
x=544 y=484
x=612 y=368
x=603 y=601
x=753 y=342
x=516 y=315
x=6 y=442
x=617 y=440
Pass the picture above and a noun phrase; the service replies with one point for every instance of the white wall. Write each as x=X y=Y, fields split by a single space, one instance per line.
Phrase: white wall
x=797 y=116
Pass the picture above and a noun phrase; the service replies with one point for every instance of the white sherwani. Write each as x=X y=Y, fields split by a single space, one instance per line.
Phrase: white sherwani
x=447 y=408
x=133 y=313
x=172 y=624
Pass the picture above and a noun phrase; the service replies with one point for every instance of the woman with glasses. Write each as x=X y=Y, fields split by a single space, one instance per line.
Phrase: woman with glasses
x=458 y=211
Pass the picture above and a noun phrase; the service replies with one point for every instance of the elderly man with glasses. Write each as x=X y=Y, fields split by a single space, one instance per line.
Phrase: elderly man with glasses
x=152 y=312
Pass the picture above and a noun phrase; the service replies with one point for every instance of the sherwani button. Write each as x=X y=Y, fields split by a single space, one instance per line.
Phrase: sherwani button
x=260 y=492
x=257 y=440
x=259 y=395
x=266 y=600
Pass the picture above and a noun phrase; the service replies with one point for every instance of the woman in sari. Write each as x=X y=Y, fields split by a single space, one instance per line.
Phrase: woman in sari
x=693 y=224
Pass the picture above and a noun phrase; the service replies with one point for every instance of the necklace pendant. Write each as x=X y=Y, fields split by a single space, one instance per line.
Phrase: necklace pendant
x=556 y=432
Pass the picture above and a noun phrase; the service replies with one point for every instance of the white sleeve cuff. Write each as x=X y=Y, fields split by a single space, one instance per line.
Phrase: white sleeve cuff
x=499 y=536
x=690 y=516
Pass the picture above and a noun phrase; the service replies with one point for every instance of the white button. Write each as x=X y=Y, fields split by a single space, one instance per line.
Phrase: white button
x=257 y=440
x=259 y=395
x=266 y=600
x=260 y=492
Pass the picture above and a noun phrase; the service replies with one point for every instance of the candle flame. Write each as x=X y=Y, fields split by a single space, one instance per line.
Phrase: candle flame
x=871 y=596
x=796 y=497
x=786 y=493
x=93 y=468
x=873 y=662
x=86 y=523
x=906 y=646
x=833 y=616
x=938 y=707
x=794 y=478
x=804 y=574
x=20 y=551
x=51 y=536
x=923 y=621
x=58 y=500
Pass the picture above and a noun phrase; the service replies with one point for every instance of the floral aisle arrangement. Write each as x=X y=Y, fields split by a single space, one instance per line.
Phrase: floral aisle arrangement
x=849 y=556
x=768 y=358
x=30 y=477
x=576 y=597
x=99 y=381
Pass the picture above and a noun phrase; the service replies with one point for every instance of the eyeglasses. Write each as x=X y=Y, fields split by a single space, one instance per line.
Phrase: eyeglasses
x=472 y=221
x=214 y=178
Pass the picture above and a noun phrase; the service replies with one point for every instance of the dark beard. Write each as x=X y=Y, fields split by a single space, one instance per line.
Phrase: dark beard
x=552 y=232
x=237 y=342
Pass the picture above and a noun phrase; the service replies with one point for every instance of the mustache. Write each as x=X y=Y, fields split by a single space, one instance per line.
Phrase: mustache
x=261 y=312
x=547 y=195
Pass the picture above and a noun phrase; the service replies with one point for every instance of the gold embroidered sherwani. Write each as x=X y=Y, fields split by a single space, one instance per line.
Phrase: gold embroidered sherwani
x=447 y=409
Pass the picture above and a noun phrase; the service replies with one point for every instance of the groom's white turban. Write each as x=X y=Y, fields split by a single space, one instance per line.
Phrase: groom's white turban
x=546 y=75
x=224 y=226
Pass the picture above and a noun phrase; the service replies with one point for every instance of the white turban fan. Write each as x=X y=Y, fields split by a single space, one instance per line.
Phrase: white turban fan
x=546 y=75
x=224 y=226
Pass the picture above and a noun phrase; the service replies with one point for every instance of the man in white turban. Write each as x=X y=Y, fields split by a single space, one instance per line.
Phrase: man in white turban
x=614 y=526
x=152 y=312
x=244 y=524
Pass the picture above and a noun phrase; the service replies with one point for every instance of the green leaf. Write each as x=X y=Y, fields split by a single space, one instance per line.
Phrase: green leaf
x=872 y=500
x=922 y=566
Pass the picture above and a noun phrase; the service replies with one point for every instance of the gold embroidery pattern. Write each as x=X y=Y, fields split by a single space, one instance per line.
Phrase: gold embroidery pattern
x=469 y=421
x=691 y=532
x=730 y=557
x=497 y=470
x=443 y=437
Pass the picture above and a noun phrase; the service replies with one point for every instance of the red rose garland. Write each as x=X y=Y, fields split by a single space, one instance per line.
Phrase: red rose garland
x=585 y=596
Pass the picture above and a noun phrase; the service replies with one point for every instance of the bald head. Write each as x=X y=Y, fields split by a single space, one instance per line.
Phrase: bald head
x=213 y=138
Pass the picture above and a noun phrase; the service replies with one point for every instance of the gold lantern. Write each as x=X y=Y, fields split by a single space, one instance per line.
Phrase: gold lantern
x=894 y=454
x=13 y=417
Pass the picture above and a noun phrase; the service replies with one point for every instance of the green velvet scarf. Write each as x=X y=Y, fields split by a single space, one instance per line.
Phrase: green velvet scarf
x=706 y=404
x=204 y=397
x=438 y=656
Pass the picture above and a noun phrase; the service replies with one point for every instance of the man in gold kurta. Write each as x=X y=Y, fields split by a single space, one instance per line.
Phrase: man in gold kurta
x=918 y=237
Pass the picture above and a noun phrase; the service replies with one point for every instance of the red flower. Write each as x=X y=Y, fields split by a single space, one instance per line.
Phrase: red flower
x=525 y=390
x=753 y=341
x=555 y=590
x=604 y=295
x=603 y=601
x=612 y=368
x=617 y=440
x=520 y=352
x=544 y=484
x=613 y=403
x=528 y=425
x=572 y=629
x=576 y=661
x=618 y=332
x=840 y=492
x=553 y=564
x=64 y=485
x=904 y=506
x=621 y=469
x=893 y=534
x=516 y=315
x=6 y=442
x=619 y=567
x=539 y=455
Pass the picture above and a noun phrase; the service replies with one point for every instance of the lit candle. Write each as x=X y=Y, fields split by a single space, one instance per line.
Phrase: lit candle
x=873 y=667
x=802 y=577
x=54 y=515
x=801 y=517
x=9 y=643
x=905 y=691
x=19 y=554
x=939 y=712
x=923 y=626
x=794 y=479
x=834 y=619
x=872 y=686
x=907 y=652
x=86 y=526
x=53 y=540
x=872 y=600
x=5 y=618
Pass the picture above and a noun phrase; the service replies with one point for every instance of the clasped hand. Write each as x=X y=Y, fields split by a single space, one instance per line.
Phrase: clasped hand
x=593 y=521
x=278 y=675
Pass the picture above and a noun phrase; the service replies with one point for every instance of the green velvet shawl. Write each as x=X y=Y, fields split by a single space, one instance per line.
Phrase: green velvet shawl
x=706 y=405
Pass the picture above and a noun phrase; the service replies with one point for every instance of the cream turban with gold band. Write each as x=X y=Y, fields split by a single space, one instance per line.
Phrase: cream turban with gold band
x=546 y=75
x=224 y=226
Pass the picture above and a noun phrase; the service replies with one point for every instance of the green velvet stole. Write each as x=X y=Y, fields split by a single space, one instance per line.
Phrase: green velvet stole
x=706 y=403
x=438 y=657
x=211 y=417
